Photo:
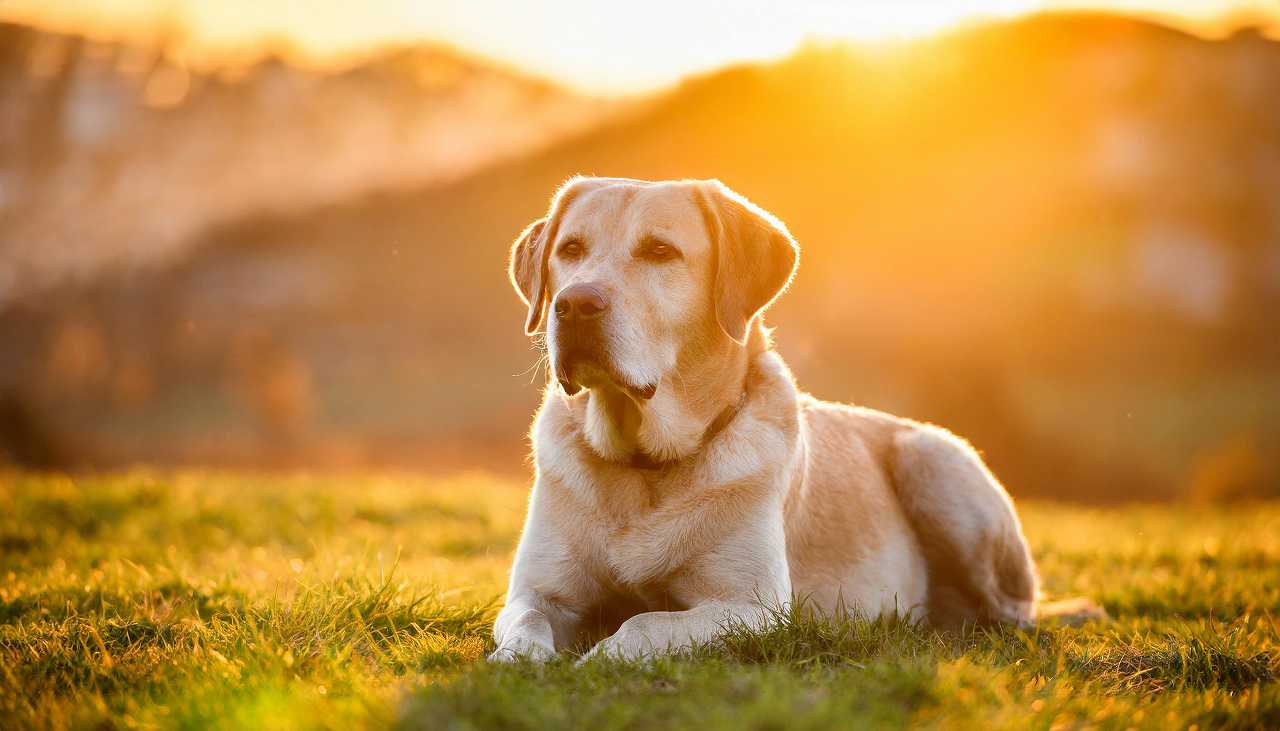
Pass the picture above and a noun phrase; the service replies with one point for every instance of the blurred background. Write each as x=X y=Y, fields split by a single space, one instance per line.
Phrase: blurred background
x=273 y=234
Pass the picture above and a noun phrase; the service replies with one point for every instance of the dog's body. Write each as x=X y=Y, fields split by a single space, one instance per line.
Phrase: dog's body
x=682 y=481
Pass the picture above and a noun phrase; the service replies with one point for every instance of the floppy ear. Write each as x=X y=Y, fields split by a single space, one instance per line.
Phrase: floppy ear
x=527 y=270
x=529 y=254
x=755 y=256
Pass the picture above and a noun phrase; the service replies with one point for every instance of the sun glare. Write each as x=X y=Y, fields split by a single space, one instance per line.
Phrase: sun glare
x=601 y=48
x=889 y=21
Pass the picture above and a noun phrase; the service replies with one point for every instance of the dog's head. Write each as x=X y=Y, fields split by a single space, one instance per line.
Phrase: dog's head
x=629 y=275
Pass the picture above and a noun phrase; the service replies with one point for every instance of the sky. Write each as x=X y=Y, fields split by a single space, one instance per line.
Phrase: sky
x=597 y=46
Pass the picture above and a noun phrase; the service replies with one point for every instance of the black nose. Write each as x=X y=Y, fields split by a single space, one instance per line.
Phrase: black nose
x=580 y=302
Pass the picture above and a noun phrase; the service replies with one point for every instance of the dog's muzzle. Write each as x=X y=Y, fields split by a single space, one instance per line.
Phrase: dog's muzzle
x=580 y=342
x=579 y=347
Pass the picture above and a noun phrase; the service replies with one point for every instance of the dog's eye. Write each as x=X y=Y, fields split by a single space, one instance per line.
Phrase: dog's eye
x=571 y=249
x=657 y=250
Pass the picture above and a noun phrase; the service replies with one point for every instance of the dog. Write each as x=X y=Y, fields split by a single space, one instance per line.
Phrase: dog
x=683 y=483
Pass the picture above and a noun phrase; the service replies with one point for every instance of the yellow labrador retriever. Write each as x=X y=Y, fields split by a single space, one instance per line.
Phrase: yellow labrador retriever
x=683 y=481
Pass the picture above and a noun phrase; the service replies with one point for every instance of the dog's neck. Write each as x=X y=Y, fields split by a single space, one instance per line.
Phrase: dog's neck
x=700 y=397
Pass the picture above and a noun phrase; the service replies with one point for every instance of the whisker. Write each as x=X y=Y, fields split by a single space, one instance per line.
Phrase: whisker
x=538 y=343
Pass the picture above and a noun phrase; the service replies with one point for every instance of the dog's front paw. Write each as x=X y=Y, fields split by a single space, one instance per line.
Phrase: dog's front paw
x=516 y=651
x=627 y=644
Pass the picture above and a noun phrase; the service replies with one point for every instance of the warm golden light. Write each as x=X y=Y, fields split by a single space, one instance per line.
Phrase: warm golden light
x=605 y=48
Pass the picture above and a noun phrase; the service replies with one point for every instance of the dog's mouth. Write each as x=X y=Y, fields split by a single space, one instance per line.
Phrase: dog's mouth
x=578 y=369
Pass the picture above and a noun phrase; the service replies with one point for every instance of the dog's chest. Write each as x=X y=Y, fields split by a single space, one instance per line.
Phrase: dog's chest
x=636 y=530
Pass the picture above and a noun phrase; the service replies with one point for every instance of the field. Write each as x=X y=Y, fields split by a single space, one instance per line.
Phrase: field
x=203 y=599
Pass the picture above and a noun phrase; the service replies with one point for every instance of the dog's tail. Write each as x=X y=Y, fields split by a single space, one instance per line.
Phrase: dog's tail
x=1074 y=612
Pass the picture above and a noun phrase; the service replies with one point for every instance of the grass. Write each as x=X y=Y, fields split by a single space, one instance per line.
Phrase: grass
x=199 y=599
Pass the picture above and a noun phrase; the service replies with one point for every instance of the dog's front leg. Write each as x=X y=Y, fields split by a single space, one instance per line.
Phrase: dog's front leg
x=525 y=628
x=660 y=633
x=538 y=618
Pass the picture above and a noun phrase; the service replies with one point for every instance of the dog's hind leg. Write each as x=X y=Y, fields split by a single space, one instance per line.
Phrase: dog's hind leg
x=980 y=569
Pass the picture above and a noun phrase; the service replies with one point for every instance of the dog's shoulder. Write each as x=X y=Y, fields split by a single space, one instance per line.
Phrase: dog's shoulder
x=832 y=428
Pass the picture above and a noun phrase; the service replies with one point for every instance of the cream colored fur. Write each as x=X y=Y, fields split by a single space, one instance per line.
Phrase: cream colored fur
x=845 y=508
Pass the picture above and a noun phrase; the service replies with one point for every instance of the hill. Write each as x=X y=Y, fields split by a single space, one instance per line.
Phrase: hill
x=114 y=157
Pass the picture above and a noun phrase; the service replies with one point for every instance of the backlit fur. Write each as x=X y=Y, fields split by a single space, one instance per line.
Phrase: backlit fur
x=846 y=508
